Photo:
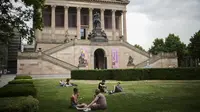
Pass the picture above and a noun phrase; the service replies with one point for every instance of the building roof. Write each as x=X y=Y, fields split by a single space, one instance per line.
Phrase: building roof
x=106 y=1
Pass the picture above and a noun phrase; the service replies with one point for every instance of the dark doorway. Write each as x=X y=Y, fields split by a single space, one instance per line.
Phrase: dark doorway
x=100 y=60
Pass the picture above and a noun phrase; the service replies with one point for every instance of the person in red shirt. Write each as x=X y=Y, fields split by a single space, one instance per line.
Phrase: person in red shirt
x=74 y=100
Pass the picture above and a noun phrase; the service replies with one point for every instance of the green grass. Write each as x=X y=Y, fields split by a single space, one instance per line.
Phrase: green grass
x=139 y=96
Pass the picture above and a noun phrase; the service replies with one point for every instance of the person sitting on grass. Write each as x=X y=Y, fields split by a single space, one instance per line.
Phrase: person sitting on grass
x=102 y=86
x=68 y=83
x=99 y=102
x=117 y=89
x=74 y=100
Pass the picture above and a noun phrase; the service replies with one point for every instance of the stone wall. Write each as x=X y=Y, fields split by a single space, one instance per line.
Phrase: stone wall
x=37 y=66
x=165 y=63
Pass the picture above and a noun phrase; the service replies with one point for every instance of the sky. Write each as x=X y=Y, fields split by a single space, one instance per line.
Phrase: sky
x=150 y=19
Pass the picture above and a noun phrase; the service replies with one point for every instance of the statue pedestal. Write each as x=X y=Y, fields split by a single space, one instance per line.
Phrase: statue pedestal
x=99 y=39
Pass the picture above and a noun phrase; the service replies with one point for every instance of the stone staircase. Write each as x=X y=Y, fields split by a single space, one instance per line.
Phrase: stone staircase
x=149 y=61
x=58 y=62
x=126 y=44
x=59 y=47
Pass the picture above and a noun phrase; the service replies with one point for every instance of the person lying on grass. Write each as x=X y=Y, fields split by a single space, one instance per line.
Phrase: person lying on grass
x=74 y=100
x=68 y=83
x=117 y=89
x=102 y=86
x=62 y=83
x=99 y=102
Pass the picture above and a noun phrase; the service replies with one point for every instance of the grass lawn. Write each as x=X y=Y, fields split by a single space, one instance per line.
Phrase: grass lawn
x=139 y=96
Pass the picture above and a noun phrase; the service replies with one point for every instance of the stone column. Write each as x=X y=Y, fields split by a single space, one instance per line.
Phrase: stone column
x=90 y=19
x=113 y=25
x=124 y=26
x=78 y=31
x=38 y=33
x=102 y=19
x=120 y=24
x=53 y=7
x=66 y=18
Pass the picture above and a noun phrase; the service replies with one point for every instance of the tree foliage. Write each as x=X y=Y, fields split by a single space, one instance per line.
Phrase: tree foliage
x=158 y=46
x=14 y=18
x=139 y=47
x=172 y=43
x=194 y=45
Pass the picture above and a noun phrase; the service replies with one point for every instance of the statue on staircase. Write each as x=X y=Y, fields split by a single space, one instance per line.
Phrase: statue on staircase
x=130 y=61
x=82 y=61
x=97 y=34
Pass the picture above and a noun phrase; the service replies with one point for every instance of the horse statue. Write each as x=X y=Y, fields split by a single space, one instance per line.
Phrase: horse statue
x=97 y=20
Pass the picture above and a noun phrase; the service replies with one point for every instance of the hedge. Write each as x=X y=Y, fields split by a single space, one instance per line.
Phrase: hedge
x=21 y=81
x=14 y=90
x=138 y=74
x=23 y=77
x=19 y=104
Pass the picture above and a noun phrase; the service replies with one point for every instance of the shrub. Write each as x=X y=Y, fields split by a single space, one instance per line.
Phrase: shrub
x=19 y=104
x=13 y=90
x=138 y=74
x=23 y=77
x=21 y=81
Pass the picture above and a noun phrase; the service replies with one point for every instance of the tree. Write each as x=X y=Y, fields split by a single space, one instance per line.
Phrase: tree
x=173 y=44
x=14 y=18
x=139 y=47
x=194 y=45
x=158 y=46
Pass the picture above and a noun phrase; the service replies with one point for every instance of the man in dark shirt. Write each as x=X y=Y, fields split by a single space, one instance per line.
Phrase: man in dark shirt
x=102 y=87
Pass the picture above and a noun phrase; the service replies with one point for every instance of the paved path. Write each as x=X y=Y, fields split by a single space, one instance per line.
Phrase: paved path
x=5 y=79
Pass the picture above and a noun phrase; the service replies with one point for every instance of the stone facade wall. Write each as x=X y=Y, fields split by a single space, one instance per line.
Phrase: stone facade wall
x=37 y=66
x=71 y=55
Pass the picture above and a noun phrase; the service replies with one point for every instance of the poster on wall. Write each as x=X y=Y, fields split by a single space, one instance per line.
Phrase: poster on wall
x=115 y=58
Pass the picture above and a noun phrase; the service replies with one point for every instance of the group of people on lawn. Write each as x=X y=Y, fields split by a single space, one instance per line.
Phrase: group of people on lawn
x=99 y=102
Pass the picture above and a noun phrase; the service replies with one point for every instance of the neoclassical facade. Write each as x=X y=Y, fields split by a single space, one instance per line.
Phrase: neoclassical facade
x=64 y=45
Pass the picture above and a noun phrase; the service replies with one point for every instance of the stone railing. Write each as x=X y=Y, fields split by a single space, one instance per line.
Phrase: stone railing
x=59 y=47
x=148 y=61
x=58 y=62
x=28 y=55
x=155 y=58
x=135 y=49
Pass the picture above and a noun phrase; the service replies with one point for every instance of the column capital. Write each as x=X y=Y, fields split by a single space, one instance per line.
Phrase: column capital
x=124 y=11
x=91 y=9
x=78 y=8
x=53 y=6
x=66 y=7
x=113 y=10
x=102 y=10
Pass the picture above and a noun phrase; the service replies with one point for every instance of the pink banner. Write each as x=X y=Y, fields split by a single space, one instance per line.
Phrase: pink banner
x=115 y=58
